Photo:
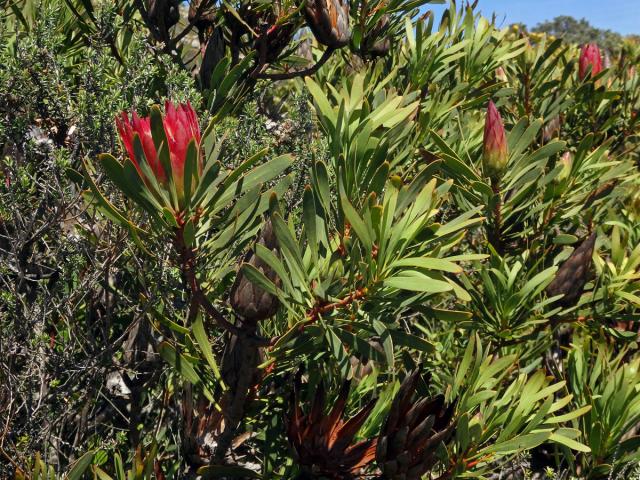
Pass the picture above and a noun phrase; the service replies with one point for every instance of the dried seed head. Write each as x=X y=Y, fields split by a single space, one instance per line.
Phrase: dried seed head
x=249 y=301
x=573 y=274
x=377 y=43
x=329 y=21
x=412 y=432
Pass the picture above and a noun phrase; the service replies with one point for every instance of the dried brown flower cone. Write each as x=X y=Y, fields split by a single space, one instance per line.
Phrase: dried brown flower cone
x=202 y=16
x=601 y=192
x=552 y=129
x=249 y=301
x=323 y=443
x=412 y=432
x=329 y=21
x=377 y=43
x=214 y=51
x=573 y=274
x=163 y=14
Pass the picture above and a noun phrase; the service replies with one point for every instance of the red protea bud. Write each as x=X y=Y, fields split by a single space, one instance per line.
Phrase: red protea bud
x=589 y=57
x=180 y=125
x=329 y=21
x=495 y=154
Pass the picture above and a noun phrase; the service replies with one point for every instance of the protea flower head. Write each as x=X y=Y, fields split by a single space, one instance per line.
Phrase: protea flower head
x=413 y=430
x=323 y=443
x=495 y=153
x=179 y=128
x=329 y=21
x=589 y=57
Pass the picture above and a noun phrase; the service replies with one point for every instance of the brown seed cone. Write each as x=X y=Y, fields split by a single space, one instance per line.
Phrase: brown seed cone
x=249 y=301
x=262 y=25
x=202 y=16
x=163 y=14
x=213 y=52
x=573 y=274
x=377 y=43
x=412 y=432
x=323 y=444
x=329 y=21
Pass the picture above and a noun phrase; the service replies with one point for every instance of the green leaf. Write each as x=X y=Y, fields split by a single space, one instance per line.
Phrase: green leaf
x=417 y=282
x=572 y=444
x=356 y=223
x=205 y=347
x=428 y=263
x=520 y=443
x=80 y=466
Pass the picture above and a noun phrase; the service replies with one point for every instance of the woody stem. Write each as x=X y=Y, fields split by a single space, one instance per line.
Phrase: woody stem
x=198 y=297
x=495 y=237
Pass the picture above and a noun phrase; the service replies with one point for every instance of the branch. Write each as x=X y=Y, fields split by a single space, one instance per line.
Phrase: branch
x=298 y=73
x=199 y=299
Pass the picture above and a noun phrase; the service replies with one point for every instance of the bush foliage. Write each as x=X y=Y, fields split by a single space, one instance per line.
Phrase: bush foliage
x=335 y=240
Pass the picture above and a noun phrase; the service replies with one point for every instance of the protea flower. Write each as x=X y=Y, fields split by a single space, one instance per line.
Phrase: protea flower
x=329 y=21
x=413 y=430
x=323 y=443
x=495 y=153
x=180 y=126
x=589 y=57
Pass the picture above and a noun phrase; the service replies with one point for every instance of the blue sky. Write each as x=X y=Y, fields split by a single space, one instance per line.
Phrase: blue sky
x=622 y=16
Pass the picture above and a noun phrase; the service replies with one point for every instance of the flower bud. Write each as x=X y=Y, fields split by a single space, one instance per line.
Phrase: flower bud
x=329 y=21
x=414 y=430
x=180 y=125
x=589 y=57
x=567 y=162
x=501 y=75
x=495 y=153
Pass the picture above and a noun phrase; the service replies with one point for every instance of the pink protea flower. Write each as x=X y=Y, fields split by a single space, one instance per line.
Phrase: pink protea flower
x=495 y=153
x=589 y=57
x=180 y=127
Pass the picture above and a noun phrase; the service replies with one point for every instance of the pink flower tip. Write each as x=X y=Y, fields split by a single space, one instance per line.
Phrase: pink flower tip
x=495 y=153
x=180 y=124
x=590 y=56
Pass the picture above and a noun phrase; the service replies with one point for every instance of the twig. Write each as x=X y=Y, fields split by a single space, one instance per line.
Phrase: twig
x=298 y=73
